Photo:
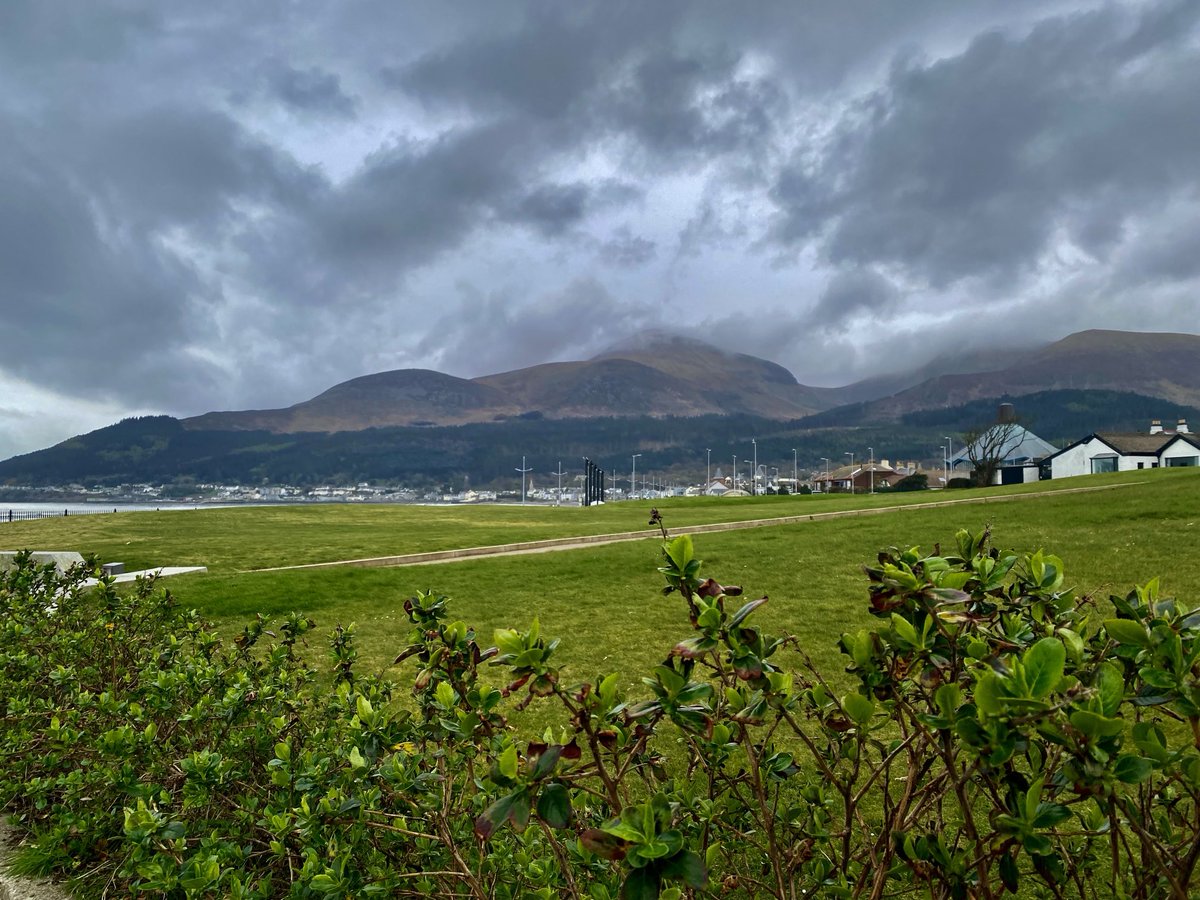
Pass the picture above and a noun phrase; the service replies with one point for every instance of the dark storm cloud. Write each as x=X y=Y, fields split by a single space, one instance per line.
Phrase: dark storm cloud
x=238 y=204
x=311 y=90
x=627 y=250
x=852 y=292
x=967 y=166
x=490 y=333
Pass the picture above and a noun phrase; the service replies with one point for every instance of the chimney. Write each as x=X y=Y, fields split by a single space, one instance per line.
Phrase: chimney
x=1181 y=428
x=1006 y=415
x=1156 y=426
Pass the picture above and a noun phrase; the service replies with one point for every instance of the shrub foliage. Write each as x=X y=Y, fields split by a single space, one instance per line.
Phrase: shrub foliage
x=1001 y=735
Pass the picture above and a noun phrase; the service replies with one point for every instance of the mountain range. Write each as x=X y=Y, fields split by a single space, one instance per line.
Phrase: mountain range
x=662 y=375
x=667 y=396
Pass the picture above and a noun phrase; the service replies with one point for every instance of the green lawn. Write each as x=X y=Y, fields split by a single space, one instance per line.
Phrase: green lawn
x=240 y=539
x=605 y=601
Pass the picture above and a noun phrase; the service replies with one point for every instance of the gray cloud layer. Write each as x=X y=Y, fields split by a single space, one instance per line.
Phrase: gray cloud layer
x=238 y=205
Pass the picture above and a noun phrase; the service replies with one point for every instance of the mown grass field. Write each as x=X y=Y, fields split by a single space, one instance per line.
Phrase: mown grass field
x=238 y=539
x=605 y=601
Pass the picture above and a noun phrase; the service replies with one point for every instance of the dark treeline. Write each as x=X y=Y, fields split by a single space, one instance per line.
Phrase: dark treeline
x=159 y=449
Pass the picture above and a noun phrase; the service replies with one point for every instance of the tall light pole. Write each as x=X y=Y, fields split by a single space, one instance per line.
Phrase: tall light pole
x=560 y=473
x=871 y=450
x=945 y=468
x=633 y=477
x=949 y=455
x=735 y=473
x=826 y=458
x=708 y=471
x=850 y=453
x=795 y=472
x=754 y=471
x=523 y=470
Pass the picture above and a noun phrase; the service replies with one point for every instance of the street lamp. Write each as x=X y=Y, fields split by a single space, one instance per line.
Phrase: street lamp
x=633 y=476
x=850 y=453
x=826 y=459
x=754 y=471
x=735 y=473
x=871 y=450
x=560 y=473
x=523 y=470
x=949 y=456
x=945 y=468
x=795 y=472
x=708 y=471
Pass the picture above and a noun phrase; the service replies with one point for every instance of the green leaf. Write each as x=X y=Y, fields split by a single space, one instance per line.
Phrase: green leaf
x=1044 y=663
x=506 y=764
x=947 y=698
x=680 y=551
x=1094 y=725
x=1132 y=769
x=688 y=866
x=747 y=608
x=1048 y=815
x=1125 y=631
x=554 y=805
x=1008 y=873
x=989 y=694
x=859 y=708
x=905 y=630
x=642 y=884
x=1110 y=688
x=603 y=844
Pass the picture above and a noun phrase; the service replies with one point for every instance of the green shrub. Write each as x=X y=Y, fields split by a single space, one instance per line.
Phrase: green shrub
x=1003 y=735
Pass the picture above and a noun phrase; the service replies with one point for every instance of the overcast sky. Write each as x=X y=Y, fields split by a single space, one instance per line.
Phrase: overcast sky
x=226 y=205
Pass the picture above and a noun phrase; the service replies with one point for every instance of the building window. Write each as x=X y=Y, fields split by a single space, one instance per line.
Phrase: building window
x=1183 y=460
x=1141 y=465
x=1103 y=464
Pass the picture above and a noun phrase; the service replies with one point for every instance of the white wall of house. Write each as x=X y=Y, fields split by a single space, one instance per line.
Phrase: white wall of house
x=1074 y=461
x=1181 y=453
x=1088 y=458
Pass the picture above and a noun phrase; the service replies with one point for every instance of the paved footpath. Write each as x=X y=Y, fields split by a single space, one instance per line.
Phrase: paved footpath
x=575 y=543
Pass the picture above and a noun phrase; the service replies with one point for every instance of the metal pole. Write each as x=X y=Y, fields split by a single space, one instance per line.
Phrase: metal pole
x=826 y=458
x=949 y=455
x=754 y=471
x=795 y=472
x=735 y=473
x=560 y=473
x=633 y=477
x=945 y=468
x=708 y=471
x=872 y=469
x=523 y=470
x=850 y=453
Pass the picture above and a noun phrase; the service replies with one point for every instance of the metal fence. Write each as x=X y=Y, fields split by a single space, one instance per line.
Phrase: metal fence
x=21 y=515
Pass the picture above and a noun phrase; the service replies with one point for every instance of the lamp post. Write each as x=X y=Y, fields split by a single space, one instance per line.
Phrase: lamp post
x=735 y=473
x=754 y=471
x=523 y=470
x=850 y=453
x=775 y=469
x=826 y=459
x=871 y=450
x=633 y=476
x=560 y=473
x=949 y=456
x=708 y=471
x=795 y=472
x=945 y=468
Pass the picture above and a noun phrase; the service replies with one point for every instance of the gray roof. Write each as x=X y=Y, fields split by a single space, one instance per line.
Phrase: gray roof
x=1021 y=445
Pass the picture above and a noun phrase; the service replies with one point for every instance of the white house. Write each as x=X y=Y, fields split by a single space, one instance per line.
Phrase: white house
x=1017 y=448
x=1124 y=452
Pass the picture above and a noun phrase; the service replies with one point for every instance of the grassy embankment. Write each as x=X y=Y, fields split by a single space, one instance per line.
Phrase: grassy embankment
x=604 y=601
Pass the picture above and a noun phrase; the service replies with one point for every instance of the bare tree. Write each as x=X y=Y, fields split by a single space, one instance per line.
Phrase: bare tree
x=989 y=446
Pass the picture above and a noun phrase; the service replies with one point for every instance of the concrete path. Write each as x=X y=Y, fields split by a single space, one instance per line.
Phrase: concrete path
x=575 y=543
x=13 y=887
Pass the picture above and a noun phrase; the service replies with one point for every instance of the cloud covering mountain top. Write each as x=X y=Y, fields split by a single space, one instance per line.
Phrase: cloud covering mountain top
x=236 y=205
